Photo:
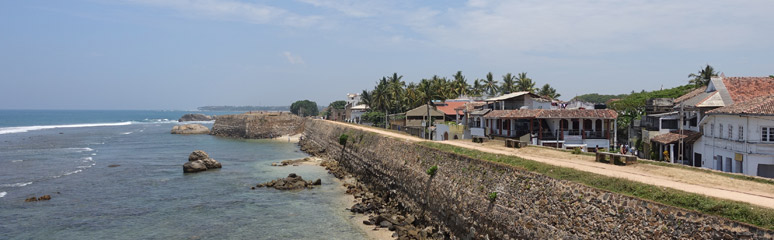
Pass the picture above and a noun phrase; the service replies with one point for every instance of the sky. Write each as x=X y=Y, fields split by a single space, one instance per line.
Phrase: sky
x=182 y=54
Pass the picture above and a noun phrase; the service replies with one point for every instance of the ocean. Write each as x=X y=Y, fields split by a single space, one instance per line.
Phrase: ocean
x=68 y=155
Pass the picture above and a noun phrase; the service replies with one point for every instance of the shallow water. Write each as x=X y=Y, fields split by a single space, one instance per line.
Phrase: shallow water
x=148 y=196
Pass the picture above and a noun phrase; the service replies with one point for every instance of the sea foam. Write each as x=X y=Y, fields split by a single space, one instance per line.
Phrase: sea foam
x=7 y=130
x=2 y=194
x=16 y=184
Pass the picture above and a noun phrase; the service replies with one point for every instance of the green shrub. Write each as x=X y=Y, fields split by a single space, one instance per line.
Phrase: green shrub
x=431 y=171
x=343 y=139
x=576 y=151
x=492 y=196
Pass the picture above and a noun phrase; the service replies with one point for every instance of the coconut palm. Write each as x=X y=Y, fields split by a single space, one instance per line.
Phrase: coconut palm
x=548 y=91
x=396 y=91
x=523 y=83
x=381 y=97
x=703 y=76
x=461 y=87
x=365 y=98
x=508 y=84
x=490 y=85
x=478 y=88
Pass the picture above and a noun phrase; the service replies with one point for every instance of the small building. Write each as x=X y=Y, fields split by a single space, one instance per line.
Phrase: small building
x=590 y=129
x=355 y=113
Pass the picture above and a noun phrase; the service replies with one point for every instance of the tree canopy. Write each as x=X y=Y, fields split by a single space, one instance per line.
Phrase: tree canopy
x=338 y=104
x=304 y=108
x=598 y=98
x=703 y=76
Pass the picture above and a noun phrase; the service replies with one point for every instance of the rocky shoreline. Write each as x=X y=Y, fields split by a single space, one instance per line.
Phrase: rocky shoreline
x=382 y=210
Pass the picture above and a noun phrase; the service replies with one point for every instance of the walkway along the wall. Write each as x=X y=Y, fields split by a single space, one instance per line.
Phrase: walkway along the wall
x=527 y=205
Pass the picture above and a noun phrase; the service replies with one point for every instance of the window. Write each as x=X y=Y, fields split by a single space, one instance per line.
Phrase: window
x=741 y=133
x=720 y=130
x=712 y=130
x=730 y=132
x=767 y=134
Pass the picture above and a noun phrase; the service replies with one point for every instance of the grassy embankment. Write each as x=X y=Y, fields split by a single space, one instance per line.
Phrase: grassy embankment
x=738 y=211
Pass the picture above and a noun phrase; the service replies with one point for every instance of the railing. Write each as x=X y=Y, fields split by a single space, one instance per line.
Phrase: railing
x=595 y=134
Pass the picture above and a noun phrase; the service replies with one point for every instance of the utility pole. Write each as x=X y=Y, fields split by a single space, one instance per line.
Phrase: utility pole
x=680 y=144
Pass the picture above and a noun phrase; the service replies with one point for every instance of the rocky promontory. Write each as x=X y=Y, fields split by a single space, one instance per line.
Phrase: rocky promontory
x=190 y=129
x=257 y=125
x=195 y=117
x=200 y=161
x=291 y=182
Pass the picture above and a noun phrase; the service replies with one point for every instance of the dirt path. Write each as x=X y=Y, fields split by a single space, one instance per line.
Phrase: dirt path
x=708 y=184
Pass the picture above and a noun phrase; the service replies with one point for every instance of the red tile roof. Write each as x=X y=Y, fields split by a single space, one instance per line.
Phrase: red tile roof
x=554 y=113
x=673 y=137
x=744 y=88
x=763 y=105
x=448 y=107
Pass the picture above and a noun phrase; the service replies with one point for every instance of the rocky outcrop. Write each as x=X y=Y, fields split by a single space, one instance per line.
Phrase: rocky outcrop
x=200 y=161
x=195 y=117
x=41 y=198
x=190 y=129
x=294 y=162
x=258 y=125
x=292 y=182
x=456 y=202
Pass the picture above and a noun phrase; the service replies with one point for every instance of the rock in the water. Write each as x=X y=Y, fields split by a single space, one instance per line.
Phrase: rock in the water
x=291 y=182
x=198 y=155
x=195 y=117
x=32 y=199
x=190 y=129
x=194 y=166
x=200 y=161
x=114 y=165
x=44 y=198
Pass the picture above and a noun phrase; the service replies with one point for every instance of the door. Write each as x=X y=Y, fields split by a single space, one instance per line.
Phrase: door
x=697 y=159
x=766 y=170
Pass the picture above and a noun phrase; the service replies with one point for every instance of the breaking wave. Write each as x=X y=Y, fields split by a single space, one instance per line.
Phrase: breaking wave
x=16 y=184
x=2 y=194
x=7 y=130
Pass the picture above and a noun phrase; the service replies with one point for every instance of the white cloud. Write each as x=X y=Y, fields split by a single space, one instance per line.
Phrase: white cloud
x=293 y=59
x=587 y=27
x=234 y=11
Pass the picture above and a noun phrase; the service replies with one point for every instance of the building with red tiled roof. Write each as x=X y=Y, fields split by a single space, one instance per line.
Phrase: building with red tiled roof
x=739 y=137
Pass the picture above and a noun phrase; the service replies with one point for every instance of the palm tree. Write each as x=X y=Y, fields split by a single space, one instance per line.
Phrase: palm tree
x=508 y=84
x=703 y=76
x=490 y=85
x=478 y=88
x=365 y=98
x=381 y=97
x=548 y=91
x=461 y=87
x=523 y=83
x=396 y=92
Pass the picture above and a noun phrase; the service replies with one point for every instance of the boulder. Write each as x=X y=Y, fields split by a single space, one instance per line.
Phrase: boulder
x=200 y=161
x=194 y=166
x=195 y=117
x=198 y=155
x=291 y=182
x=190 y=129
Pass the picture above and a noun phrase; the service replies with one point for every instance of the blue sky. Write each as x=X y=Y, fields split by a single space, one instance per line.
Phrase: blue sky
x=180 y=54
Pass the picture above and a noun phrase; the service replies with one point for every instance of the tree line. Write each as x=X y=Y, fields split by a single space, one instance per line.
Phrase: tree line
x=393 y=95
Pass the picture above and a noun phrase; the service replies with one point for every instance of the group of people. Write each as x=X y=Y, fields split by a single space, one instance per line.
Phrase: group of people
x=626 y=149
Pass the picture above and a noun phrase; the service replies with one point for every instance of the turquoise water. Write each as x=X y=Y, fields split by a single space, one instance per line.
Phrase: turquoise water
x=148 y=196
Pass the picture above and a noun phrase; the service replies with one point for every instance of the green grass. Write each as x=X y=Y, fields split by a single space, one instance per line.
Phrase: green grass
x=666 y=164
x=738 y=211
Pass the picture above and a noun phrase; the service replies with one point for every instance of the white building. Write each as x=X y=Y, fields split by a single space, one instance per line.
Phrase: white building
x=740 y=138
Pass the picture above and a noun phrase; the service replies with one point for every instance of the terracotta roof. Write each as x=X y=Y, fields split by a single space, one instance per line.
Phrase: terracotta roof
x=579 y=113
x=674 y=137
x=744 y=88
x=448 y=107
x=554 y=113
x=521 y=113
x=690 y=94
x=763 y=105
